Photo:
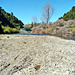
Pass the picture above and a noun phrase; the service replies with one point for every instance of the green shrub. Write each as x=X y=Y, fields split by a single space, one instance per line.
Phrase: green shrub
x=27 y=28
x=1 y=35
x=14 y=30
x=2 y=44
x=24 y=42
x=70 y=26
x=73 y=26
x=4 y=40
x=7 y=36
x=61 y=25
x=70 y=29
x=6 y=48
x=9 y=30
x=0 y=39
x=44 y=27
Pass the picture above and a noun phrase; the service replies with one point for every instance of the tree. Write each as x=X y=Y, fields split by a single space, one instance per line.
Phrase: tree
x=32 y=25
x=11 y=13
x=34 y=20
x=0 y=9
x=47 y=13
x=1 y=30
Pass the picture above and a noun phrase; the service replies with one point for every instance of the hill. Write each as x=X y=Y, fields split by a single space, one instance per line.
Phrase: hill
x=69 y=15
x=64 y=26
x=9 y=21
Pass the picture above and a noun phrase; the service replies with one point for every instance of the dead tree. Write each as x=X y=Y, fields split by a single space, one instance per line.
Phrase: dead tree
x=34 y=20
x=47 y=13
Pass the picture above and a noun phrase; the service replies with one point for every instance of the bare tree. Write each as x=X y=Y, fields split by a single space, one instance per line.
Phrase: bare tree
x=34 y=19
x=47 y=13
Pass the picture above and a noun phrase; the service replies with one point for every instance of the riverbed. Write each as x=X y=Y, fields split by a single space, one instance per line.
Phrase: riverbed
x=36 y=55
x=66 y=37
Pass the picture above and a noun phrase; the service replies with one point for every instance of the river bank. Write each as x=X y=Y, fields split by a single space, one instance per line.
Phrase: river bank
x=36 y=55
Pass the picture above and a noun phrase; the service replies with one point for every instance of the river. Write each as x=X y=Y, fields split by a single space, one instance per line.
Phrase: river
x=67 y=37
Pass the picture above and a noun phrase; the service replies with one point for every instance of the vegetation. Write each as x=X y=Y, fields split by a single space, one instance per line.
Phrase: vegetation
x=48 y=31
x=8 y=22
x=47 y=13
x=73 y=31
x=2 y=44
x=69 y=15
x=7 y=36
x=0 y=39
x=61 y=25
x=9 y=30
x=1 y=30
x=70 y=26
x=24 y=42
x=6 y=48
x=27 y=28
x=4 y=40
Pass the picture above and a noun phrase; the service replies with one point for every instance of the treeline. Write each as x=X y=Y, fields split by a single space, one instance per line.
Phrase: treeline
x=69 y=15
x=9 y=23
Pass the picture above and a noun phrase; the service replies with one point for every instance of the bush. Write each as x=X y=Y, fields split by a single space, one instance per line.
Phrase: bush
x=6 y=48
x=0 y=39
x=73 y=31
x=24 y=42
x=7 y=36
x=70 y=29
x=9 y=30
x=48 y=31
x=61 y=25
x=27 y=28
x=62 y=31
x=70 y=26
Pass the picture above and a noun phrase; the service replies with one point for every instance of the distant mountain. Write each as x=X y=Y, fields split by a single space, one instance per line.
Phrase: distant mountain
x=9 y=20
x=69 y=15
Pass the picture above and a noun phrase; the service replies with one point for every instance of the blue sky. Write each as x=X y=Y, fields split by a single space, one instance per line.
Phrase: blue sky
x=26 y=9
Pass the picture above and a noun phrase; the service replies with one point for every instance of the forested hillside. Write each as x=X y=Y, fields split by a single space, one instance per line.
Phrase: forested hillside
x=69 y=15
x=9 y=23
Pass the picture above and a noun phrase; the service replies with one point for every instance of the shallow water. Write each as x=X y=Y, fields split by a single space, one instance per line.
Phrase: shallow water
x=70 y=37
x=29 y=34
x=67 y=37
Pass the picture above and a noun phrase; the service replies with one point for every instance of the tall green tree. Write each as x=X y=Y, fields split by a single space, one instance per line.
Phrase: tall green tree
x=1 y=30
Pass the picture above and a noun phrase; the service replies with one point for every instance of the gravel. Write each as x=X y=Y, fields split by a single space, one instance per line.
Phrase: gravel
x=36 y=55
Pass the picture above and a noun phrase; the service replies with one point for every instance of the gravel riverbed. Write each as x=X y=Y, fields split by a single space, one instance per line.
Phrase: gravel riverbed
x=36 y=55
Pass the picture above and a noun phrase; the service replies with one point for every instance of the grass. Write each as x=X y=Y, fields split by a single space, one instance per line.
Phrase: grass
x=0 y=39
x=4 y=40
x=70 y=29
x=70 y=26
x=24 y=42
x=17 y=36
x=1 y=35
x=7 y=36
x=8 y=30
x=6 y=48
x=2 y=44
